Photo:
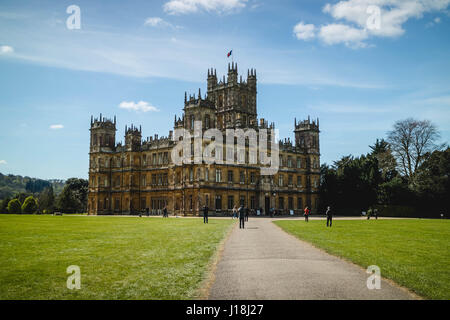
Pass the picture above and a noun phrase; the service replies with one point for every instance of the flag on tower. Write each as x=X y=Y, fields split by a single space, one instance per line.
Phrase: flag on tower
x=229 y=53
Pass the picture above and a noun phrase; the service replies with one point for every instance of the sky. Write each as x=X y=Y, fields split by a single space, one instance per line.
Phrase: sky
x=357 y=65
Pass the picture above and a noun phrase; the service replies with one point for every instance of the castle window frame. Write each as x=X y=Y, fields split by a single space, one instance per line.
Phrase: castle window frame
x=230 y=202
x=299 y=203
x=242 y=176
x=253 y=202
x=290 y=203
x=230 y=176
x=218 y=175
x=299 y=162
x=290 y=180
x=281 y=203
x=206 y=174
x=281 y=180
x=252 y=177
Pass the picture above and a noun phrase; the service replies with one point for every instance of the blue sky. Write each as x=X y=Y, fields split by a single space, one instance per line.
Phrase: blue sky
x=318 y=58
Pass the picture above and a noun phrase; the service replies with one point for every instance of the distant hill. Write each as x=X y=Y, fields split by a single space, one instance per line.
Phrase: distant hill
x=10 y=185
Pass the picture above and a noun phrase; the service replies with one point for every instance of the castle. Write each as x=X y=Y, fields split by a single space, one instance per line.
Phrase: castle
x=141 y=174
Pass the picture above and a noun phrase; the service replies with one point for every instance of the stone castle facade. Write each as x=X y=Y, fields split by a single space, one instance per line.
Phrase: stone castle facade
x=140 y=175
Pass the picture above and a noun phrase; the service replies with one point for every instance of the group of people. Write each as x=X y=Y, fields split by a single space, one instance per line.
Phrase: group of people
x=328 y=213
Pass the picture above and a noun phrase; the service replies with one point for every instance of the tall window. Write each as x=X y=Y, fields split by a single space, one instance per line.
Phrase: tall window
x=206 y=174
x=252 y=202
x=290 y=180
x=289 y=162
x=230 y=176
x=299 y=163
x=281 y=203
x=299 y=203
x=280 y=180
x=218 y=202
x=299 y=181
x=252 y=177
x=192 y=121
x=290 y=203
x=191 y=175
x=218 y=175
x=230 y=202
x=242 y=176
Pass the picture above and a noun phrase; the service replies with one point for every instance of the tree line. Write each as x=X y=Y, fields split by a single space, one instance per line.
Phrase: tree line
x=405 y=174
x=11 y=185
x=72 y=199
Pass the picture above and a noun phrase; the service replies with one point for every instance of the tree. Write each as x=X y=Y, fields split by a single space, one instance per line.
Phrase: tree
x=381 y=150
x=47 y=200
x=36 y=185
x=30 y=205
x=4 y=205
x=14 y=206
x=73 y=198
x=432 y=181
x=411 y=140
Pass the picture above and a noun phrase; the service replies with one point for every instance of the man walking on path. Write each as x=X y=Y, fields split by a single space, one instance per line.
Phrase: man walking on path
x=205 y=214
x=246 y=214
x=165 y=215
x=329 y=214
x=306 y=214
x=241 y=217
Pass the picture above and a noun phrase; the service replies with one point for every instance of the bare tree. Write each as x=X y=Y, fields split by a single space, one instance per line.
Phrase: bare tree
x=410 y=141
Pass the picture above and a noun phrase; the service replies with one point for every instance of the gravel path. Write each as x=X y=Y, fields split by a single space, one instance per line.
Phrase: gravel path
x=263 y=262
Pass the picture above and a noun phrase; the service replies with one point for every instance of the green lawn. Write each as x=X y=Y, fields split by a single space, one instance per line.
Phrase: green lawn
x=413 y=253
x=119 y=257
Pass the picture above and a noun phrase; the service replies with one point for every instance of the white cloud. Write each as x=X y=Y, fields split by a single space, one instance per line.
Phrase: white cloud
x=193 y=6
x=304 y=31
x=341 y=33
x=141 y=106
x=56 y=126
x=158 y=22
x=352 y=18
x=6 y=49
x=3 y=162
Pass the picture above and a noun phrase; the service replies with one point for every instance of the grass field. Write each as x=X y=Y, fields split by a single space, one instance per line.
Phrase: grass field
x=413 y=253
x=119 y=257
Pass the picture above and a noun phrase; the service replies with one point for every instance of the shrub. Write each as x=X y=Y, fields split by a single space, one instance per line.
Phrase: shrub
x=29 y=205
x=14 y=206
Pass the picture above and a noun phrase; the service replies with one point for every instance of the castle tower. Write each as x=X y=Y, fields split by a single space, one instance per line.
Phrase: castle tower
x=133 y=138
x=212 y=79
x=103 y=134
x=307 y=136
x=232 y=73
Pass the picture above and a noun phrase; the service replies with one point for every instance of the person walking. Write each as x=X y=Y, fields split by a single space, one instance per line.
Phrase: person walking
x=329 y=214
x=241 y=217
x=246 y=213
x=234 y=213
x=165 y=214
x=205 y=214
x=307 y=211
